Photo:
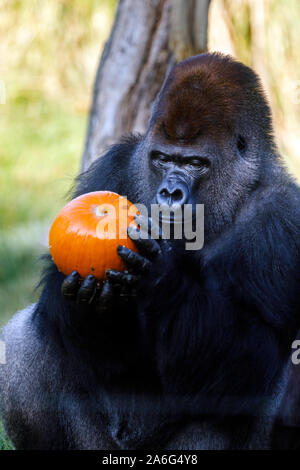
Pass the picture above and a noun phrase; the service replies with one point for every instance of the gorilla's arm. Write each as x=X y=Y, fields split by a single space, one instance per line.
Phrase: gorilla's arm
x=262 y=254
x=87 y=350
x=286 y=432
x=102 y=319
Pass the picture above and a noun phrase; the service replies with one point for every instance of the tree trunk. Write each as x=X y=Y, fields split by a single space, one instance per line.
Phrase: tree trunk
x=147 y=39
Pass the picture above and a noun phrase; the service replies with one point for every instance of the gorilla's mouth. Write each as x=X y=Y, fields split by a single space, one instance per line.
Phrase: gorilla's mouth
x=173 y=220
x=176 y=214
x=174 y=226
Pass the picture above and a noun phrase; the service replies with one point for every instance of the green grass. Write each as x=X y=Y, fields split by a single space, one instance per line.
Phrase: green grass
x=5 y=444
x=41 y=143
x=20 y=267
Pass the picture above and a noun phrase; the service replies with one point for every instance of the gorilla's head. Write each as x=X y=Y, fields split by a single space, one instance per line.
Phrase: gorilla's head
x=209 y=138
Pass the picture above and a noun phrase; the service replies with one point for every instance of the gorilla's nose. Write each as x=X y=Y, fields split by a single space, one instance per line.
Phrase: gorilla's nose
x=172 y=192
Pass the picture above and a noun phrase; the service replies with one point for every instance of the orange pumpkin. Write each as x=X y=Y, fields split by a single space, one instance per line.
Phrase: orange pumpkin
x=85 y=234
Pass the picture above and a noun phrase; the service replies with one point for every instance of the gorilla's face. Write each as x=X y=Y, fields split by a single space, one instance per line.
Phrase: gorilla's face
x=207 y=136
x=184 y=172
x=180 y=170
x=216 y=172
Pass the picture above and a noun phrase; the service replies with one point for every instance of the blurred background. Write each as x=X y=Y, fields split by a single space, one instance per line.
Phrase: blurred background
x=49 y=56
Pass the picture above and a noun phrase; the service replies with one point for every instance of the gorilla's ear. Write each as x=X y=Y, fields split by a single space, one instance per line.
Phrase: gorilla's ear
x=286 y=431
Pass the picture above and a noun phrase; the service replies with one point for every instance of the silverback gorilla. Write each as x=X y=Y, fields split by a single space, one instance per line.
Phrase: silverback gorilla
x=185 y=349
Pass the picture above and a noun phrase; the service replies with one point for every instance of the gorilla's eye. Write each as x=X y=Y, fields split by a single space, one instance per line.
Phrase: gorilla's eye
x=164 y=158
x=199 y=162
x=159 y=159
x=241 y=144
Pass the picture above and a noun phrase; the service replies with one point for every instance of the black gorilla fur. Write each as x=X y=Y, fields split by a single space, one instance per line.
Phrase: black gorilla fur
x=197 y=358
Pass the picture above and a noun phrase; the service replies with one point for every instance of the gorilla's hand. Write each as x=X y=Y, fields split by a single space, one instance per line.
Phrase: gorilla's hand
x=96 y=294
x=146 y=266
x=120 y=286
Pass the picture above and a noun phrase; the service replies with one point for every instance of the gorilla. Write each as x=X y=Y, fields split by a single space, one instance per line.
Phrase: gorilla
x=186 y=349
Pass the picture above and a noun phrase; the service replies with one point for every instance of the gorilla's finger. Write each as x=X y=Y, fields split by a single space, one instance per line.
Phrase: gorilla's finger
x=143 y=222
x=127 y=292
x=155 y=229
x=147 y=246
x=71 y=285
x=165 y=246
x=119 y=277
x=149 y=225
x=133 y=260
x=106 y=297
x=152 y=225
x=87 y=289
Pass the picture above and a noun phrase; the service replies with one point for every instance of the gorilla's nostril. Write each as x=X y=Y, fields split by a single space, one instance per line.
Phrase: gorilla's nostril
x=172 y=192
x=177 y=195
x=164 y=192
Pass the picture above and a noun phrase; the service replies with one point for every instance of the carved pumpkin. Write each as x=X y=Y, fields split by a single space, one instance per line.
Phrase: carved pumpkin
x=85 y=234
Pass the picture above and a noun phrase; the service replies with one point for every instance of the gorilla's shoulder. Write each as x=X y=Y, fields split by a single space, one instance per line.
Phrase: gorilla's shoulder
x=21 y=343
x=108 y=171
x=20 y=347
x=275 y=200
x=19 y=327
